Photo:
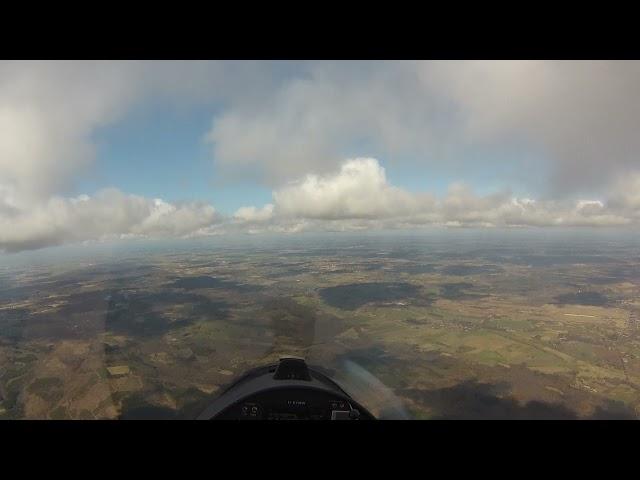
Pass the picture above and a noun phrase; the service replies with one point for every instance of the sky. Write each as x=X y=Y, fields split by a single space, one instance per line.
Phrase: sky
x=96 y=150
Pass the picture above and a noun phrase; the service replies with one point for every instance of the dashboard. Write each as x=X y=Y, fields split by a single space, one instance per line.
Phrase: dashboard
x=291 y=404
x=287 y=391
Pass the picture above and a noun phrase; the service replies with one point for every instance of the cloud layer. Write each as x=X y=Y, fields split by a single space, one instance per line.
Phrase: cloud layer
x=359 y=196
x=578 y=118
x=292 y=124
x=108 y=214
x=355 y=197
x=280 y=120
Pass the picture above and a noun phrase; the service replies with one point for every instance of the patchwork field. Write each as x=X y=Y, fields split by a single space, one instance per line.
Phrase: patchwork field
x=416 y=327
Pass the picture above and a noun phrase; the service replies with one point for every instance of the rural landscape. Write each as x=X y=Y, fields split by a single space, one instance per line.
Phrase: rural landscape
x=456 y=325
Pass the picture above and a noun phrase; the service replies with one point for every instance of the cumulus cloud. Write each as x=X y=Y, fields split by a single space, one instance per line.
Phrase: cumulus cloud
x=359 y=196
x=312 y=118
x=626 y=195
x=579 y=118
x=285 y=119
x=49 y=111
x=254 y=215
x=108 y=214
x=580 y=115
x=358 y=190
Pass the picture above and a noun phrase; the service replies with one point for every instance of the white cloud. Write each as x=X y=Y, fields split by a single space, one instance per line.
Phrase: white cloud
x=254 y=215
x=309 y=120
x=359 y=190
x=358 y=196
x=47 y=112
x=581 y=116
x=110 y=213
x=50 y=110
x=285 y=119
x=626 y=194
x=578 y=117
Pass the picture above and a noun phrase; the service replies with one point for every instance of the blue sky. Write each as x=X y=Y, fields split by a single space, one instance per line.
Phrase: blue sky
x=159 y=151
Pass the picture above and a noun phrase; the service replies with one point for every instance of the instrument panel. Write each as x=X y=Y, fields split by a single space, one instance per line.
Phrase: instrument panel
x=291 y=404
